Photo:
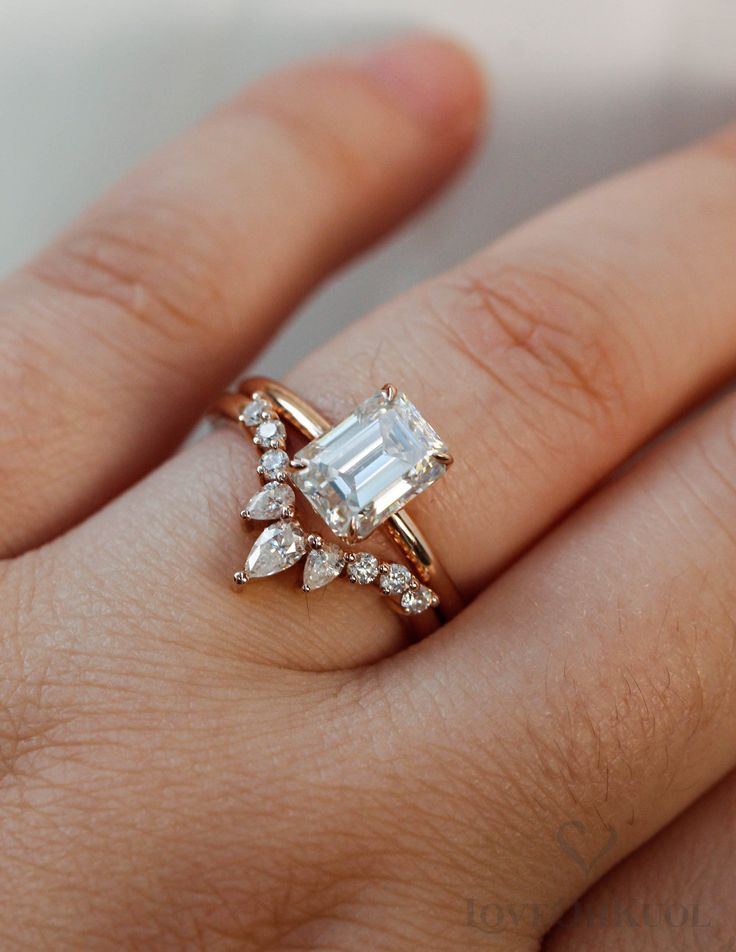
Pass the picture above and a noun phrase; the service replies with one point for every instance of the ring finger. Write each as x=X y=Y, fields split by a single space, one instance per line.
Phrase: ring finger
x=543 y=362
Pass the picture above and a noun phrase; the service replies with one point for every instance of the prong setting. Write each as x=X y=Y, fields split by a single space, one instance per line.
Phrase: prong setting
x=353 y=534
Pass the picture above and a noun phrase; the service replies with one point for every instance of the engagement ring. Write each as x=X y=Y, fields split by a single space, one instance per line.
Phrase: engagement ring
x=357 y=475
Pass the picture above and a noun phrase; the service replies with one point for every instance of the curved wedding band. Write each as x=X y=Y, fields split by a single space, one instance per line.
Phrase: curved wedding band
x=312 y=424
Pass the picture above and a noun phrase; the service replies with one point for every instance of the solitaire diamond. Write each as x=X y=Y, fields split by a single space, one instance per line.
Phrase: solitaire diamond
x=371 y=465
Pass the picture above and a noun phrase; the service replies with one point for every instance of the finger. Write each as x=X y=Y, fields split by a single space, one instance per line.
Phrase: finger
x=592 y=686
x=542 y=363
x=119 y=335
x=677 y=892
x=545 y=360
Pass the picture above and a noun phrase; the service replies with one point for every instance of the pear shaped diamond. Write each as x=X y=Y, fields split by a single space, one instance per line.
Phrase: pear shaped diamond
x=322 y=566
x=277 y=548
x=270 y=501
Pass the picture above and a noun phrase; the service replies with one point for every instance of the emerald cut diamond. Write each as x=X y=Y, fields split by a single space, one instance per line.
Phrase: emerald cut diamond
x=370 y=465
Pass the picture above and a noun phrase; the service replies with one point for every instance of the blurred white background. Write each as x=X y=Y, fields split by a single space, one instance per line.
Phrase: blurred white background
x=582 y=88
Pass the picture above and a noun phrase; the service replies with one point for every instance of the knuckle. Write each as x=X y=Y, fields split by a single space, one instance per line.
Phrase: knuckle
x=152 y=262
x=544 y=336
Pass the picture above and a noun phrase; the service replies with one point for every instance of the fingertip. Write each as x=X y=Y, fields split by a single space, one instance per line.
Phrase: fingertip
x=434 y=78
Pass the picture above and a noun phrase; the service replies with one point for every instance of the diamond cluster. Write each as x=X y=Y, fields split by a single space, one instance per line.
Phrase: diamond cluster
x=284 y=542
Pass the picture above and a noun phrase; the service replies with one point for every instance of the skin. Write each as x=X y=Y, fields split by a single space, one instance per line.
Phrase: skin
x=186 y=768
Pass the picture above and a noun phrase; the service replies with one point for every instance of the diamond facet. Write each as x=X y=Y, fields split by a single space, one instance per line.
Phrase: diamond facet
x=269 y=501
x=270 y=433
x=416 y=600
x=323 y=565
x=395 y=580
x=370 y=465
x=253 y=413
x=363 y=569
x=274 y=463
x=278 y=547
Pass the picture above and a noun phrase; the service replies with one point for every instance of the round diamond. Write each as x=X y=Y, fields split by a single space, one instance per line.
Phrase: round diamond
x=252 y=414
x=395 y=580
x=270 y=433
x=416 y=600
x=363 y=569
x=274 y=463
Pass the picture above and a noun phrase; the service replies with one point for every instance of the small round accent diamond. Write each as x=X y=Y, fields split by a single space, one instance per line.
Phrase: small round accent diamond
x=256 y=411
x=270 y=433
x=363 y=569
x=395 y=580
x=277 y=548
x=416 y=600
x=274 y=464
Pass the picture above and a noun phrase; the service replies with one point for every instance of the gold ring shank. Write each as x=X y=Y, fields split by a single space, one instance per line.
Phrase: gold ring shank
x=401 y=527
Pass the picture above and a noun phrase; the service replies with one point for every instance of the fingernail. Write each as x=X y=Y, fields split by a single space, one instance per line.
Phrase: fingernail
x=431 y=77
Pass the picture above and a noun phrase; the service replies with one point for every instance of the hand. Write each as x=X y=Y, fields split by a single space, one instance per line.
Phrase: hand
x=187 y=768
